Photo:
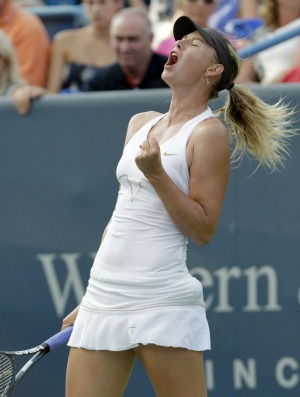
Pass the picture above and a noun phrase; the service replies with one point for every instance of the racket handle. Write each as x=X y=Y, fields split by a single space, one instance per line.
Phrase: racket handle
x=59 y=339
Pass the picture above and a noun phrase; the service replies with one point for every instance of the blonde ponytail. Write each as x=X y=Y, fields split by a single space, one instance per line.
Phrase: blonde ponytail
x=256 y=127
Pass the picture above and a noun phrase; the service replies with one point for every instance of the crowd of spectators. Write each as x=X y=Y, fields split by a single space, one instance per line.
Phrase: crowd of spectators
x=125 y=43
x=136 y=66
x=274 y=64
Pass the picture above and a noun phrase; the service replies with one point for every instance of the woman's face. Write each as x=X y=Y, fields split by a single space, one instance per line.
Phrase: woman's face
x=188 y=61
x=100 y=12
x=198 y=10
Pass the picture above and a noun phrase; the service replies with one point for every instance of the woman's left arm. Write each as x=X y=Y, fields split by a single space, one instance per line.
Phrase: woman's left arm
x=208 y=156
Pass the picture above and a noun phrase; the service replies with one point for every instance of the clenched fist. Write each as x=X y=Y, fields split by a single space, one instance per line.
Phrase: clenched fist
x=148 y=159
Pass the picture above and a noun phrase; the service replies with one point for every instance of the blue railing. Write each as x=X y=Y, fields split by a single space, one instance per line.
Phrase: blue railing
x=266 y=43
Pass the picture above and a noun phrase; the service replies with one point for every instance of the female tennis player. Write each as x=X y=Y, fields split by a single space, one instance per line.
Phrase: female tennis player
x=141 y=301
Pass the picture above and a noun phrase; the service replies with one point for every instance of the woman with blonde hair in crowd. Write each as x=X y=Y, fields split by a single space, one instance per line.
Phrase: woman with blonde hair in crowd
x=9 y=68
x=273 y=64
x=76 y=52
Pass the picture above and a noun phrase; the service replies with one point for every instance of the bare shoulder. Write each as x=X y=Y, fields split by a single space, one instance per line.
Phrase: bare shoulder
x=138 y=121
x=212 y=130
x=68 y=36
x=209 y=143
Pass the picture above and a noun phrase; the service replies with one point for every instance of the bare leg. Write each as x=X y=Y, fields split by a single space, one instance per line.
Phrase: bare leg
x=174 y=372
x=98 y=373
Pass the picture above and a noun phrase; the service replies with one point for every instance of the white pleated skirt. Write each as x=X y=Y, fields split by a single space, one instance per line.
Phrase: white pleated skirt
x=165 y=316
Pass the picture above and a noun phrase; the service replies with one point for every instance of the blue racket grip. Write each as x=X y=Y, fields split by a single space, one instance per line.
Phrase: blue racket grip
x=59 y=339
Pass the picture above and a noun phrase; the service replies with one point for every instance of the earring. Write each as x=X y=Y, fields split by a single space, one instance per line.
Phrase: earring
x=207 y=81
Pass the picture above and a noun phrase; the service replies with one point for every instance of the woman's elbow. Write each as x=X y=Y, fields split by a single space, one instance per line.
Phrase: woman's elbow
x=203 y=238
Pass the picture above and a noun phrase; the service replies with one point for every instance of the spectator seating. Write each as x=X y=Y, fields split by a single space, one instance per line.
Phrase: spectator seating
x=59 y=17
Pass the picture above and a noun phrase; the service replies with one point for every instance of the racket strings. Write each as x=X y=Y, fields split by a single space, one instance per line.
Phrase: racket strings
x=7 y=373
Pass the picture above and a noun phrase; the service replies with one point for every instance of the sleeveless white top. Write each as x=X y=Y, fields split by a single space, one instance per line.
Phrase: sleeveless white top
x=141 y=232
x=140 y=268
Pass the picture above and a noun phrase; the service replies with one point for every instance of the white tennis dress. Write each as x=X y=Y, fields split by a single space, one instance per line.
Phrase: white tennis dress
x=140 y=290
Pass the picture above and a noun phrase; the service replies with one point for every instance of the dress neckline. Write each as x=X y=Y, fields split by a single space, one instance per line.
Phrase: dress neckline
x=155 y=120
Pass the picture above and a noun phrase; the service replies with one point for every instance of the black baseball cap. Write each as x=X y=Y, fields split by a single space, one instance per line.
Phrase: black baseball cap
x=185 y=25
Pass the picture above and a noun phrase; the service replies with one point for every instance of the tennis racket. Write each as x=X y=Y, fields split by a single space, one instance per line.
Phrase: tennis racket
x=8 y=376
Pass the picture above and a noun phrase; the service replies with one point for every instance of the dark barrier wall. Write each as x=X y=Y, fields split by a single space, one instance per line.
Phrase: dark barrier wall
x=58 y=189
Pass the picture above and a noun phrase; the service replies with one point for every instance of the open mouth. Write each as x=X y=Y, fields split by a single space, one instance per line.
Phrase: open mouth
x=173 y=58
